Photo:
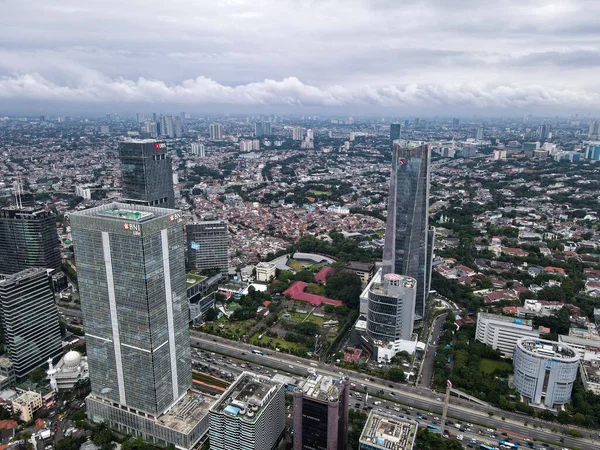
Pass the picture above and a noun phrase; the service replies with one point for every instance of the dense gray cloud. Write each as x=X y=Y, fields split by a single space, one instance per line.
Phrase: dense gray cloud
x=434 y=54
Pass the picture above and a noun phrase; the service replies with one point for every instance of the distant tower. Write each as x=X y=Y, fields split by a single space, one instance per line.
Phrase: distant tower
x=407 y=224
x=216 y=132
x=198 y=149
x=178 y=128
x=146 y=173
x=479 y=133
x=297 y=134
x=29 y=320
x=170 y=129
x=395 y=130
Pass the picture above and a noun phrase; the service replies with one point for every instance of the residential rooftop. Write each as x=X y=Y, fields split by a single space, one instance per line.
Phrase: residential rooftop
x=507 y=319
x=246 y=397
x=387 y=432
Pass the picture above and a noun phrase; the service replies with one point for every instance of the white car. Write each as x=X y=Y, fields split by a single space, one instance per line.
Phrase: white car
x=460 y=437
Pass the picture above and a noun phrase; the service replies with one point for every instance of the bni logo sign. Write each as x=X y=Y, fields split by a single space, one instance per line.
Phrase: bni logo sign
x=132 y=227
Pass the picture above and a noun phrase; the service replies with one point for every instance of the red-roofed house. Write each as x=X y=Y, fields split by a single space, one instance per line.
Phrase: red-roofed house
x=296 y=292
x=498 y=296
x=321 y=276
x=514 y=251
x=556 y=270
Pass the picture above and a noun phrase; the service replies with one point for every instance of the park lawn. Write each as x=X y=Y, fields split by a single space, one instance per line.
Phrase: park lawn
x=298 y=317
x=317 y=320
x=229 y=327
x=318 y=193
x=488 y=366
x=277 y=342
x=297 y=265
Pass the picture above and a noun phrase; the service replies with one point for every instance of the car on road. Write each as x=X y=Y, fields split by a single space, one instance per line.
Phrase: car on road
x=291 y=367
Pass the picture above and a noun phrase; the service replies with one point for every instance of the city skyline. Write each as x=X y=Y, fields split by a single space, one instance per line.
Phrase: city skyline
x=485 y=57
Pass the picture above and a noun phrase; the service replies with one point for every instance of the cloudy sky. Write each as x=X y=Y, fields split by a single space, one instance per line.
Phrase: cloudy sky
x=357 y=55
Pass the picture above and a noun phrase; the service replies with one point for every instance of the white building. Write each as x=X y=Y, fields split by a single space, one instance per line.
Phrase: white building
x=546 y=369
x=502 y=333
x=250 y=415
x=265 y=271
x=198 y=149
x=68 y=371
x=86 y=193
x=216 y=132
x=246 y=145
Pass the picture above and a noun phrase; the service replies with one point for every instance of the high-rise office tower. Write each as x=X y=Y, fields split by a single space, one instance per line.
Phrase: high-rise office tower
x=479 y=133
x=594 y=130
x=391 y=308
x=407 y=224
x=207 y=245
x=132 y=281
x=154 y=117
x=250 y=415
x=455 y=124
x=395 y=130
x=262 y=129
x=162 y=125
x=28 y=238
x=216 y=132
x=544 y=132
x=178 y=128
x=320 y=420
x=146 y=173
x=29 y=320
x=170 y=129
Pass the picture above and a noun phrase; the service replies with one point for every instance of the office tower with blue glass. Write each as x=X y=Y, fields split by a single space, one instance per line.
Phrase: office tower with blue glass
x=131 y=272
x=29 y=320
x=28 y=239
x=146 y=173
x=207 y=246
x=406 y=249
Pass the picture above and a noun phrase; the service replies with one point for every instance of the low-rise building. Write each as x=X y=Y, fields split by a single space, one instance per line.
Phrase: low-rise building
x=7 y=373
x=265 y=271
x=363 y=270
x=384 y=431
x=502 y=333
x=26 y=404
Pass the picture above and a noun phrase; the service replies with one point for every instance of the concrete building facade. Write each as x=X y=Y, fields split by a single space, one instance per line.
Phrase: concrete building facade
x=502 y=333
x=546 y=369
x=207 y=245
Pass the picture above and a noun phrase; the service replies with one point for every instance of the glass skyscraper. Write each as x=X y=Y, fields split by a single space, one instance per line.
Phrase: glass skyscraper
x=146 y=173
x=29 y=320
x=131 y=273
x=207 y=245
x=28 y=239
x=407 y=230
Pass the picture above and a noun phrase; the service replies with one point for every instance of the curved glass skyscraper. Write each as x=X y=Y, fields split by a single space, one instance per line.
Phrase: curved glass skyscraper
x=406 y=250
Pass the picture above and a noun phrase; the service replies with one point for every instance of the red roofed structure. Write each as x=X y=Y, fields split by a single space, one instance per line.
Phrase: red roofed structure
x=321 y=276
x=296 y=292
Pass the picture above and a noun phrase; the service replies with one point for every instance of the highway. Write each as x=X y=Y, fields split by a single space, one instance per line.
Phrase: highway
x=420 y=398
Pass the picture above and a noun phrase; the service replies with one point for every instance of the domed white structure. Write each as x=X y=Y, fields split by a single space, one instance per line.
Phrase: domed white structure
x=72 y=359
x=68 y=371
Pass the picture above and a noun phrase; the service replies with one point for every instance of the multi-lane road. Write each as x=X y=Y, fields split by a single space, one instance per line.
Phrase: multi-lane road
x=420 y=398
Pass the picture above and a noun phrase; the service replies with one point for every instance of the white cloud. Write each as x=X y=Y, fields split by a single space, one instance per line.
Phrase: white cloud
x=346 y=52
x=291 y=92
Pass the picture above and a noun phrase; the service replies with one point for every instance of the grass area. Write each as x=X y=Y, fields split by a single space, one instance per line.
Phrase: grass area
x=318 y=193
x=192 y=278
x=279 y=343
x=237 y=328
x=488 y=366
x=298 y=265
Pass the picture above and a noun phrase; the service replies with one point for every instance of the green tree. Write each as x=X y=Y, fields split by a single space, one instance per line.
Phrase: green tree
x=211 y=315
x=103 y=437
x=37 y=375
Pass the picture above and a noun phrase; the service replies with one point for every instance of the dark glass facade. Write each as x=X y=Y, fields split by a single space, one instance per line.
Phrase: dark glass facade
x=406 y=234
x=131 y=273
x=146 y=173
x=29 y=320
x=28 y=239
x=207 y=245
